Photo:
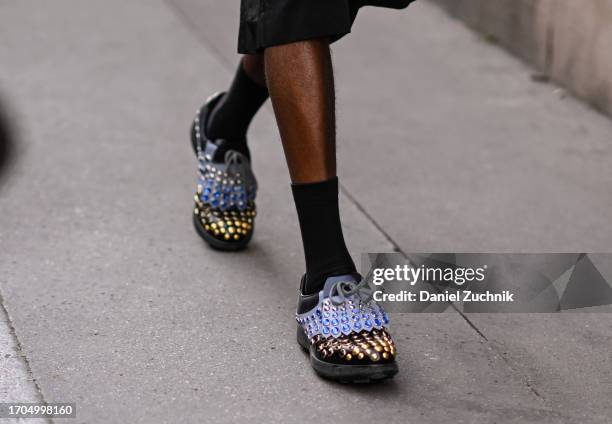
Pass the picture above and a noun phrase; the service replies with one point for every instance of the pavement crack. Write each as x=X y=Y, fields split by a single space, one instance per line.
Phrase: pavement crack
x=370 y=218
x=480 y=333
x=20 y=352
x=503 y=357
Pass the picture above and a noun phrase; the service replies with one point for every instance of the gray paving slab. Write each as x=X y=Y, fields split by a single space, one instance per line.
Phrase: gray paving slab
x=474 y=155
x=118 y=305
x=478 y=157
x=566 y=358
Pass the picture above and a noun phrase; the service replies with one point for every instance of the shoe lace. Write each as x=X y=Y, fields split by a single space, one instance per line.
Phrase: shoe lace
x=345 y=289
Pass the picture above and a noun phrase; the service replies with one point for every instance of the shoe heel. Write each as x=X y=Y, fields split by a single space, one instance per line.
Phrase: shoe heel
x=302 y=339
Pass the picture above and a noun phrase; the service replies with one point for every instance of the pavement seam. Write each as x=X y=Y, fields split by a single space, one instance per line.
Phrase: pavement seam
x=371 y=220
x=399 y=250
x=21 y=353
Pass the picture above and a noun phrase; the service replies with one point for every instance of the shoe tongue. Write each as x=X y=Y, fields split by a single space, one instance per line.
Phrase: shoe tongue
x=219 y=148
x=329 y=283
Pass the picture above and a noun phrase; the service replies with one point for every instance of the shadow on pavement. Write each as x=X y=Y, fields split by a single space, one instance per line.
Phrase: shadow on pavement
x=7 y=141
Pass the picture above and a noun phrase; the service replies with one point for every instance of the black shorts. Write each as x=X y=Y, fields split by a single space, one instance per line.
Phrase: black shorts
x=265 y=23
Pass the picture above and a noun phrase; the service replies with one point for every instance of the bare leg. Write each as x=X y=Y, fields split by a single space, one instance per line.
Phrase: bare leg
x=301 y=85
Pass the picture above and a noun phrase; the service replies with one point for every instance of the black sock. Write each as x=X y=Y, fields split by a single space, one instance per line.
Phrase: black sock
x=324 y=248
x=231 y=117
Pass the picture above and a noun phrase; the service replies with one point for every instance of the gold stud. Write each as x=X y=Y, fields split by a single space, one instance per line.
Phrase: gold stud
x=221 y=223
x=355 y=351
x=377 y=348
x=361 y=355
x=222 y=229
x=213 y=225
x=385 y=355
x=374 y=357
x=348 y=356
x=196 y=211
x=226 y=236
x=236 y=236
x=230 y=229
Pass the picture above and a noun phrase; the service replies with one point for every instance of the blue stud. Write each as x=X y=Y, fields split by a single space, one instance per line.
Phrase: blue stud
x=367 y=323
x=335 y=331
x=334 y=322
x=325 y=330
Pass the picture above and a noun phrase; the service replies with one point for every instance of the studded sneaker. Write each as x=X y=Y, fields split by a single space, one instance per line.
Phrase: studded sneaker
x=224 y=211
x=345 y=332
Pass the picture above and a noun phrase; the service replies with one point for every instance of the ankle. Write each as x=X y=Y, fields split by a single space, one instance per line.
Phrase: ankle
x=232 y=115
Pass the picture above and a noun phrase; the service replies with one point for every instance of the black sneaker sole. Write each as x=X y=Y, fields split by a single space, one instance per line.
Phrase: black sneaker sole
x=350 y=374
x=227 y=246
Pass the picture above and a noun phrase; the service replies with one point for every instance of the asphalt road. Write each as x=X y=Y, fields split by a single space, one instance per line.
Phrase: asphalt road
x=445 y=144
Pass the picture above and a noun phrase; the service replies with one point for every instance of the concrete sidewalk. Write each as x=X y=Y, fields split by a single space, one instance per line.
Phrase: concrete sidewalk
x=118 y=306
